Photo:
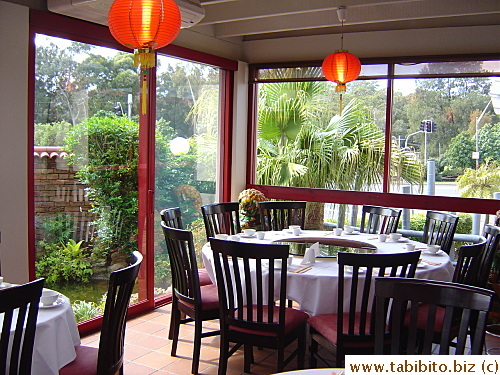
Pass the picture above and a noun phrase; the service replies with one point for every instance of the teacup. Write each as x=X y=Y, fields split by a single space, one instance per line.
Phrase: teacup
x=49 y=297
x=296 y=231
x=337 y=231
x=410 y=246
x=395 y=236
x=433 y=248
x=221 y=236
x=234 y=237
x=261 y=235
x=292 y=227
x=249 y=232
x=348 y=229
x=1 y=280
x=382 y=237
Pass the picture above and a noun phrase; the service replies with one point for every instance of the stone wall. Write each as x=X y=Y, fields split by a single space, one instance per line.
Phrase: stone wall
x=58 y=191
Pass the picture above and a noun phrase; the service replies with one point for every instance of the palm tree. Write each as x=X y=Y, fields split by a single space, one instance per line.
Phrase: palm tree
x=345 y=154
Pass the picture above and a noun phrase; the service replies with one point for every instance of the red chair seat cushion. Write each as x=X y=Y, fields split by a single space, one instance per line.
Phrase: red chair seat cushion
x=326 y=325
x=423 y=311
x=85 y=362
x=293 y=319
x=209 y=298
x=204 y=278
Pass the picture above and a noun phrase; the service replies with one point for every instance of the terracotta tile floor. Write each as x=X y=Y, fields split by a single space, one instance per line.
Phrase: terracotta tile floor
x=147 y=349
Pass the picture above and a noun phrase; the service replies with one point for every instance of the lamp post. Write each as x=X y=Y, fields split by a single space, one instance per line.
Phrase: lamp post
x=475 y=155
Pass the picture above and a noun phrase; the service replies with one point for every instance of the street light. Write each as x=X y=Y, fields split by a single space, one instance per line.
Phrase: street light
x=475 y=155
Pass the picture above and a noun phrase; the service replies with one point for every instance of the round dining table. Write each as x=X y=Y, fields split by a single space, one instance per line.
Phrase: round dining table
x=56 y=336
x=314 y=286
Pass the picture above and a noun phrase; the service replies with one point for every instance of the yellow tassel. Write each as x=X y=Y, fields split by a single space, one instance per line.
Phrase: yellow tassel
x=144 y=58
x=144 y=93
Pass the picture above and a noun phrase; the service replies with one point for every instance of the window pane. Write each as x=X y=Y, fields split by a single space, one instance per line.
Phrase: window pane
x=447 y=68
x=187 y=110
x=303 y=142
x=450 y=126
x=86 y=148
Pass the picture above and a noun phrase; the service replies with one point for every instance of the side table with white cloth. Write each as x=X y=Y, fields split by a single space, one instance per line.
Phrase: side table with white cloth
x=56 y=336
x=315 y=289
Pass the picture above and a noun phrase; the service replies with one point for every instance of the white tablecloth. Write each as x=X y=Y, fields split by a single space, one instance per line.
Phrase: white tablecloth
x=55 y=339
x=56 y=336
x=316 y=290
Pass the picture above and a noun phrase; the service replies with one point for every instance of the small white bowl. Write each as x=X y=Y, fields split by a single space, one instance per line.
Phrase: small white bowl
x=249 y=232
x=395 y=236
x=433 y=248
x=348 y=229
x=49 y=297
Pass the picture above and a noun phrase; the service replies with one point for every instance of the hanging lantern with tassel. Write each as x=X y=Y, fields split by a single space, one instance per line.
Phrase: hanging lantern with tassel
x=144 y=25
x=341 y=67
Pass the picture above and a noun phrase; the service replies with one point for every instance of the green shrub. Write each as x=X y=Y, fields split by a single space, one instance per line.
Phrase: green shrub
x=84 y=310
x=104 y=151
x=65 y=263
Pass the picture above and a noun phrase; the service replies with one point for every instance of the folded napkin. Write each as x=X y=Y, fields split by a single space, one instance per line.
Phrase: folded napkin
x=311 y=254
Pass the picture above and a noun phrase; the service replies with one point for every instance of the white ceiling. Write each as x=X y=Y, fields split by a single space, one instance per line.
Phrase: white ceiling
x=230 y=26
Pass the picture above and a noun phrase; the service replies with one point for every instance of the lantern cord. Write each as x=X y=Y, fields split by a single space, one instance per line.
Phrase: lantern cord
x=342 y=35
x=144 y=92
x=340 y=105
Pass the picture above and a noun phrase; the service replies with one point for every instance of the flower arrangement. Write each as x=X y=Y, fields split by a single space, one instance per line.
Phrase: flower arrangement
x=249 y=208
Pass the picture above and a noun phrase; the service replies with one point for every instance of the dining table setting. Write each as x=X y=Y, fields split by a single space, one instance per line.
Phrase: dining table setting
x=56 y=333
x=312 y=268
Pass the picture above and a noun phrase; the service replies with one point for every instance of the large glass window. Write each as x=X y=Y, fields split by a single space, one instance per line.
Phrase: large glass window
x=442 y=121
x=187 y=128
x=86 y=158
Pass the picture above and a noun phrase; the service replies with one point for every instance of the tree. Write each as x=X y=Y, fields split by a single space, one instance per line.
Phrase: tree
x=104 y=151
x=481 y=182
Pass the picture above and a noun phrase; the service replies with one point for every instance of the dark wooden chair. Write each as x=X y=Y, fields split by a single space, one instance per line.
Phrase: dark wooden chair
x=492 y=235
x=19 y=307
x=375 y=219
x=352 y=331
x=439 y=229
x=467 y=267
x=221 y=218
x=460 y=303
x=278 y=215
x=198 y=303
x=108 y=359
x=172 y=217
x=249 y=314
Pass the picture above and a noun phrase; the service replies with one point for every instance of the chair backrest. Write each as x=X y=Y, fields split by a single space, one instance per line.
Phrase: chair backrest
x=356 y=274
x=468 y=264
x=278 y=215
x=18 y=328
x=181 y=251
x=454 y=308
x=492 y=235
x=245 y=296
x=111 y=343
x=221 y=218
x=172 y=217
x=439 y=229
x=380 y=219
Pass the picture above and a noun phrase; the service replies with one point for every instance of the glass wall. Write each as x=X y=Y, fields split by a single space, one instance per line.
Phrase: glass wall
x=86 y=156
x=187 y=132
x=411 y=128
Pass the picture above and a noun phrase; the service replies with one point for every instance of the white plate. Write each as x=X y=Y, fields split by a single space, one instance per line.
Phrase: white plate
x=422 y=265
x=243 y=235
x=351 y=234
x=402 y=239
x=6 y=285
x=59 y=302
x=439 y=252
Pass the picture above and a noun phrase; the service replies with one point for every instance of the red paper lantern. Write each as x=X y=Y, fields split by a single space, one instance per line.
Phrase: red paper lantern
x=341 y=67
x=144 y=25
